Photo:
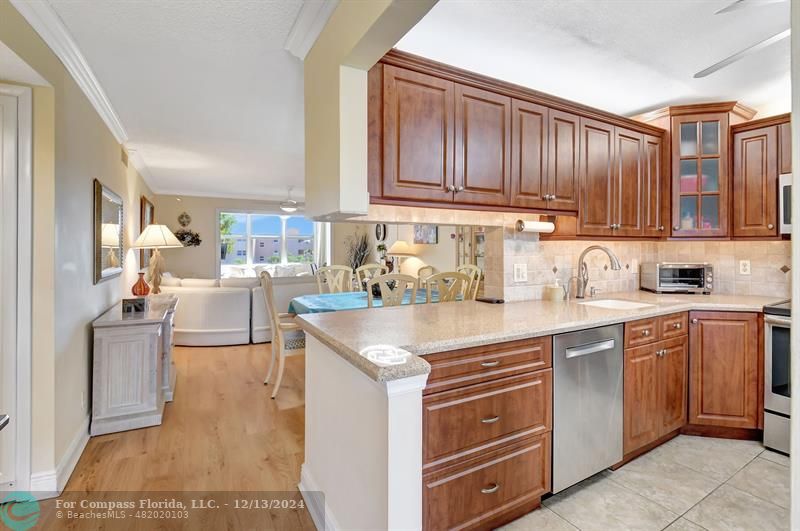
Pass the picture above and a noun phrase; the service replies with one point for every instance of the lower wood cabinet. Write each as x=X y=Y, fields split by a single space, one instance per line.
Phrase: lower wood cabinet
x=655 y=391
x=487 y=417
x=725 y=369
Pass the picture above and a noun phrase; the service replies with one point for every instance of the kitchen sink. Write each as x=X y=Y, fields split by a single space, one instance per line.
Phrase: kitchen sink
x=617 y=304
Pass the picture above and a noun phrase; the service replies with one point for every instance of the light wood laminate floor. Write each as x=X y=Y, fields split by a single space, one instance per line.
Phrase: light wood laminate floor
x=222 y=432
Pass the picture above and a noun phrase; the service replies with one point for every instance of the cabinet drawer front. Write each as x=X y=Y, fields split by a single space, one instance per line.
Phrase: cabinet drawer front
x=674 y=325
x=641 y=332
x=460 y=421
x=470 y=366
x=472 y=494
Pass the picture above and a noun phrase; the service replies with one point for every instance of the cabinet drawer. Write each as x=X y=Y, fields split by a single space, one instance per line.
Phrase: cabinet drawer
x=473 y=365
x=641 y=332
x=458 y=422
x=673 y=325
x=474 y=494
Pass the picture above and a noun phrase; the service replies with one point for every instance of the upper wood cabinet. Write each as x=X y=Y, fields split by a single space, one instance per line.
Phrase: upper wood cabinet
x=483 y=147
x=725 y=369
x=785 y=147
x=755 y=182
x=440 y=136
x=653 y=187
x=418 y=132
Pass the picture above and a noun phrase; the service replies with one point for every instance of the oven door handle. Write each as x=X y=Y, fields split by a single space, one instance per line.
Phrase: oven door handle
x=780 y=321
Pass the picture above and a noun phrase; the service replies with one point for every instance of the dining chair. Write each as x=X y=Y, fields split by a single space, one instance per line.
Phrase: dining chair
x=287 y=337
x=474 y=274
x=334 y=279
x=393 y=296
x=450 y=285
x=425 y=272
x=368 y=272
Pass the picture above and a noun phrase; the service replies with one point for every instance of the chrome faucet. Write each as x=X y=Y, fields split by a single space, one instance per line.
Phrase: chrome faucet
x=583 y=270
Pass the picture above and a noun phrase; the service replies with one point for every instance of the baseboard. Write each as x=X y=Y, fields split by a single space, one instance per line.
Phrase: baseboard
x=51 y=483
x=321 y=515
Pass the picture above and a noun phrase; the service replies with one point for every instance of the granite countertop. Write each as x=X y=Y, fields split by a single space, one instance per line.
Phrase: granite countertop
x=157 y=308
x=427 y=328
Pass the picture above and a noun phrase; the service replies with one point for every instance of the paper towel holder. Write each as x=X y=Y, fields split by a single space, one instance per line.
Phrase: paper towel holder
x=535 y=226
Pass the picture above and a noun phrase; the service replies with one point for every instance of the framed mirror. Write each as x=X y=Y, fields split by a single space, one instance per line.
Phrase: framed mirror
x=108 y=249
x=146 y=217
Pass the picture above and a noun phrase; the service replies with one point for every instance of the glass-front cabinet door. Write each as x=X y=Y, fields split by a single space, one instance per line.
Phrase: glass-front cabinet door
x=699 y=175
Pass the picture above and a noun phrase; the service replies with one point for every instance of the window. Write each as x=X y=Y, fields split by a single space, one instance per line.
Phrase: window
x=251 y=238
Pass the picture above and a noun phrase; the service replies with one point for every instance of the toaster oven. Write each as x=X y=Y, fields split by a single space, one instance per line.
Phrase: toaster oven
x=671 y=277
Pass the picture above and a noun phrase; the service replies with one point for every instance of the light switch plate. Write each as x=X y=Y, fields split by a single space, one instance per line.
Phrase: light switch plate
x=744 y=267
x=520 y=272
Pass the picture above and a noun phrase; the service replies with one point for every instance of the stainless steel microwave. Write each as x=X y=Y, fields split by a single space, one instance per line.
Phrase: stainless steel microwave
x=673 y=277
x=785 y=202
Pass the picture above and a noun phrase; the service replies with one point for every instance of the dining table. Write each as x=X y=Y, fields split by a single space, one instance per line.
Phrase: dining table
x=349 y=300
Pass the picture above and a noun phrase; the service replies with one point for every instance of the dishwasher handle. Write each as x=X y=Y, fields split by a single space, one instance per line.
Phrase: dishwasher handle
x=591 y=348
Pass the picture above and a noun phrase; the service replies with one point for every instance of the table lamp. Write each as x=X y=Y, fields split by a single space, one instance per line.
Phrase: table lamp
x=400 y=248
x=109 y=239
x=156 y=237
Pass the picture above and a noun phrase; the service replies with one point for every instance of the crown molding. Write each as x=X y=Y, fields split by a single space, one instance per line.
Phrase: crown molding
x=46 y=22
x=307 y=26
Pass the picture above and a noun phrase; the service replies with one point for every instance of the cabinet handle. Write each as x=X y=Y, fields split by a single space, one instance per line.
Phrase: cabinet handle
x=490 y=420
x=494 y=363
x=451 y=188
x=460 y=188
x=491 y=489
x=676 y=326
x=661 y=227
x=645 y=333
x=694 y=321
x=770 y=226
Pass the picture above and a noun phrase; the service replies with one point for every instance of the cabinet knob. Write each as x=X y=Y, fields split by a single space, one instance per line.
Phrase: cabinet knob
x=460 y=188
x=661 y=227
x=676 y=326
x=694 y=321
x=645 y=333
x=451 y=188
x=770 y=226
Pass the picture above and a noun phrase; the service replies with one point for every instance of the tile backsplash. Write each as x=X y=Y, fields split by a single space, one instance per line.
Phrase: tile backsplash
x=550 y=260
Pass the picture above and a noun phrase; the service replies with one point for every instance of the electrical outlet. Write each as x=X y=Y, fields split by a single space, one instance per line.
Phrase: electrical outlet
x=744 y=267
x=520 y=272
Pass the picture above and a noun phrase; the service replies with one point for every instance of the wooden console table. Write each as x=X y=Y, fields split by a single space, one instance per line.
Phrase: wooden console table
x=133 y=372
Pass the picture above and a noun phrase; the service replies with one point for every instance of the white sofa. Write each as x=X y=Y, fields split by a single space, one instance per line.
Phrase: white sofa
x=230 y=311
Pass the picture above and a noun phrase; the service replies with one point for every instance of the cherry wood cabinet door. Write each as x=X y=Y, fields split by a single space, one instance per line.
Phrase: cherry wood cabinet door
x=755 y=183
x=529 y=151
x=629 y=151
x=418 y=133
x=652 y=187
x=724 y=372
x=785 y=148
x=673 y=374
x=563 y=161
x=483 y=147
x=641 y=418
x=595 y=214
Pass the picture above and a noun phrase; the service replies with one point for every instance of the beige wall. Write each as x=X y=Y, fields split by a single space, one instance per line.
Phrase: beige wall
x=72 y=146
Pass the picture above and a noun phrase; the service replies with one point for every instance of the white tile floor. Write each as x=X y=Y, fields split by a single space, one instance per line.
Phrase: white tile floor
x=687 y=484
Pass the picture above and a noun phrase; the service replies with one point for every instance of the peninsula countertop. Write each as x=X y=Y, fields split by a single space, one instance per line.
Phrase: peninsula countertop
x=427 y=328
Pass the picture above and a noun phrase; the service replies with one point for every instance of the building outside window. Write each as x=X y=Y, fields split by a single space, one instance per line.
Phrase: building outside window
x=252 y=238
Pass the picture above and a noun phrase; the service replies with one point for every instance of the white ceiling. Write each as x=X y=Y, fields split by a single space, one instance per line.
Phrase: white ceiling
x=624 y=56
x=210 y=100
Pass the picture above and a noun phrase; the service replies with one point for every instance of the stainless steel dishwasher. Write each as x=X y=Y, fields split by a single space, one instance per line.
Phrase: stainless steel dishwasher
x=587 y=403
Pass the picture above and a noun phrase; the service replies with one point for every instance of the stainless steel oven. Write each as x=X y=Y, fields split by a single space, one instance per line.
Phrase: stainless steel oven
x=785 y=202
x=777 y=369
x=673 y=277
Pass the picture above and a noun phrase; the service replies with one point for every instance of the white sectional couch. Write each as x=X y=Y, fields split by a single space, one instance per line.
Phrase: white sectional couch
x=230 y=311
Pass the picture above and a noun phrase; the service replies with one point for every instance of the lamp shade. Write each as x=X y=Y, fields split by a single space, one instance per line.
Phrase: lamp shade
x=156 y=237
x=109 y=235
x=400 y=248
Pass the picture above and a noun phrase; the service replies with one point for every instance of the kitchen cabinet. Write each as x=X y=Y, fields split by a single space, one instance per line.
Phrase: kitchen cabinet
x=653 y=197
x=755 y=182
x=443 y=137
x=655 y=380
x=785 y=146
x=483 y=147
x=418 y=136
x=725 y=369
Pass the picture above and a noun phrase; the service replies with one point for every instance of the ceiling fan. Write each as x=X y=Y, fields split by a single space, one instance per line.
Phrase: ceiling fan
x=769 y=41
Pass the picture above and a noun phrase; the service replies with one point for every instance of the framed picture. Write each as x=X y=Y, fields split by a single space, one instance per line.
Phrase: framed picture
x=426 y=234
x=109 y=253
x=147 y=213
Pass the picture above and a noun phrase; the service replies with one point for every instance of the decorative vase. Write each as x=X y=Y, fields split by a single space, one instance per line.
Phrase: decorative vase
x=140 y=289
